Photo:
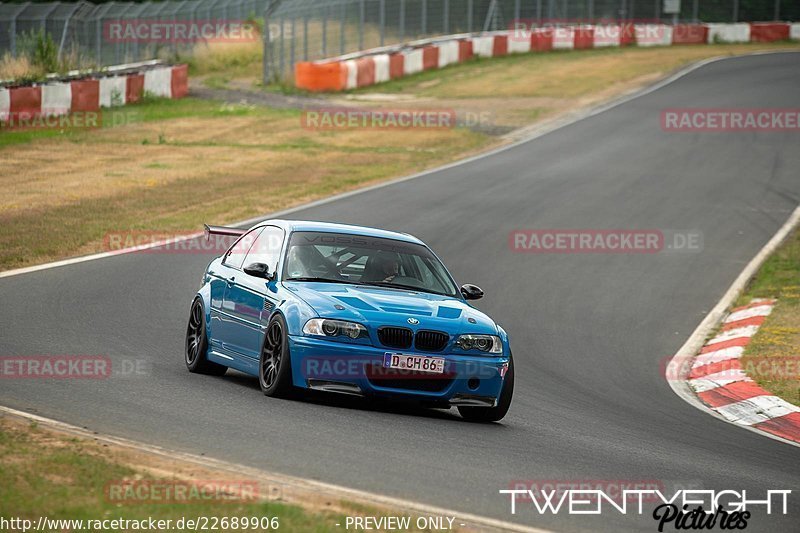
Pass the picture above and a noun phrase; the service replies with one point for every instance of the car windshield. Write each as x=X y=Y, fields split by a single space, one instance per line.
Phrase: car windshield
x=364 y=260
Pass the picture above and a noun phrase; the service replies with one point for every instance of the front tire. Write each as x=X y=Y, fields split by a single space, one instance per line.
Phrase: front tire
x=496 y=413
x=275 y=362
x=196 y=350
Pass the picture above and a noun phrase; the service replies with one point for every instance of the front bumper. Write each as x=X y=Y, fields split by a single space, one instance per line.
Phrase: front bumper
x=474 y=380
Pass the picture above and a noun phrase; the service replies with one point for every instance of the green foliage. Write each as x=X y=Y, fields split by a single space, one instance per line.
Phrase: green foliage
x=37 y=56
x=45 y=52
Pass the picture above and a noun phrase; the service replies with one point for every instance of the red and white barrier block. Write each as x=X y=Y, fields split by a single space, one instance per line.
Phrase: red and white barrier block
x=5 y=104
x=448 y=53
x=723 y=385
x=56 y=99
x=158 y=82
x=380 y=65
x=653 y=35
x=90 y=94
x=564 y=38
x=113 y=91
x=728 y=33
x=412 y=61
x=607 y=35
x=483 y=46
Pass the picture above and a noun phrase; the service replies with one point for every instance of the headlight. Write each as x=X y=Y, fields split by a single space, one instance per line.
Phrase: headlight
x=484 y=343
x=326 y=327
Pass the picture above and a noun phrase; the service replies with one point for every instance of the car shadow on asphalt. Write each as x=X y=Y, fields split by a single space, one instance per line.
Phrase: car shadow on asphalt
x=344 y=401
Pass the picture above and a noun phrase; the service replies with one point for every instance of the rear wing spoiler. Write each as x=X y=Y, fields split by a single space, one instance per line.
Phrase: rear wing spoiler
x=223 y=230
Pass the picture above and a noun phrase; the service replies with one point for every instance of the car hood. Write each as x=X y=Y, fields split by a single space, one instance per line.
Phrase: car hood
x=377 y=306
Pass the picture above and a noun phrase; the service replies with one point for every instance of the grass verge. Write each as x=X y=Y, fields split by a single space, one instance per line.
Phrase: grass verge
x=559 y=73
x=173 y=165
x=60 y=477
x=169 y=166
x=774 y=351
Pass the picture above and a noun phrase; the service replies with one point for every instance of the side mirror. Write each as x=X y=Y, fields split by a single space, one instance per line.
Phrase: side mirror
x=258 y=270
x=471 y=292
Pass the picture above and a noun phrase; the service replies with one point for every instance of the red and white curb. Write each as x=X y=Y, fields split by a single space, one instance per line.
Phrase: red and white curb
x=769 y=419
x=720 y=382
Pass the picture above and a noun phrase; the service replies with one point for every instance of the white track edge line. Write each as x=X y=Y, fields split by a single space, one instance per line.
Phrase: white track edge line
x=696 y=341
x=542 y=130
x=375 y=499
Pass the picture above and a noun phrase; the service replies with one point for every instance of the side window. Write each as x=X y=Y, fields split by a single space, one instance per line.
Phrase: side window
x=235 y=256
x=266 y=248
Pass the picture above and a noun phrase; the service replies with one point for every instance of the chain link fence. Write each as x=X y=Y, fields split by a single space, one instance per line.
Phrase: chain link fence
x=84 y=29
x=301 y=30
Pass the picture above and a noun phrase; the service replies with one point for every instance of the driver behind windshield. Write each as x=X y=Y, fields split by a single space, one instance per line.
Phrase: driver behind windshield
x=385 y=268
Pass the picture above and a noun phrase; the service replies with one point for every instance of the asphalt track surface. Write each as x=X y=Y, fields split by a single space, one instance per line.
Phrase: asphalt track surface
x=589 y=332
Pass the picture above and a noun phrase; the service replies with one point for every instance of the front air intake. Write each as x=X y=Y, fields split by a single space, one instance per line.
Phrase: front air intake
x=430 y=341
x=395 y=337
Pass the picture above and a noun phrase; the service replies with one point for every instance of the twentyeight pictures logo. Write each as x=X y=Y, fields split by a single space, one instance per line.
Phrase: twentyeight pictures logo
x=681 y=509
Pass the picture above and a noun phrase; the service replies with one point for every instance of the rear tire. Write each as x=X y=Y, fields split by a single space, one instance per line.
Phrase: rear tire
x=275 y=362
x=493 y=414
x=196 y=350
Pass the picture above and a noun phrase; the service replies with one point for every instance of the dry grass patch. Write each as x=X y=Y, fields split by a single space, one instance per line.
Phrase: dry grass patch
x=64 y=195
x=18 y=67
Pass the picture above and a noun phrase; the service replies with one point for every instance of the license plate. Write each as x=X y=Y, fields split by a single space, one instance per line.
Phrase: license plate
x=416 y=363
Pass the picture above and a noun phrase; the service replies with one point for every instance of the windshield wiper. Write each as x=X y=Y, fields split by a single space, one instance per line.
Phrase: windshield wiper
x=322 y=280
x=382 y=284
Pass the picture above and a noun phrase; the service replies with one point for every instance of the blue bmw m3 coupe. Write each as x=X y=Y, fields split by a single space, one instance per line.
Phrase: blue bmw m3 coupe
x=351 y=310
